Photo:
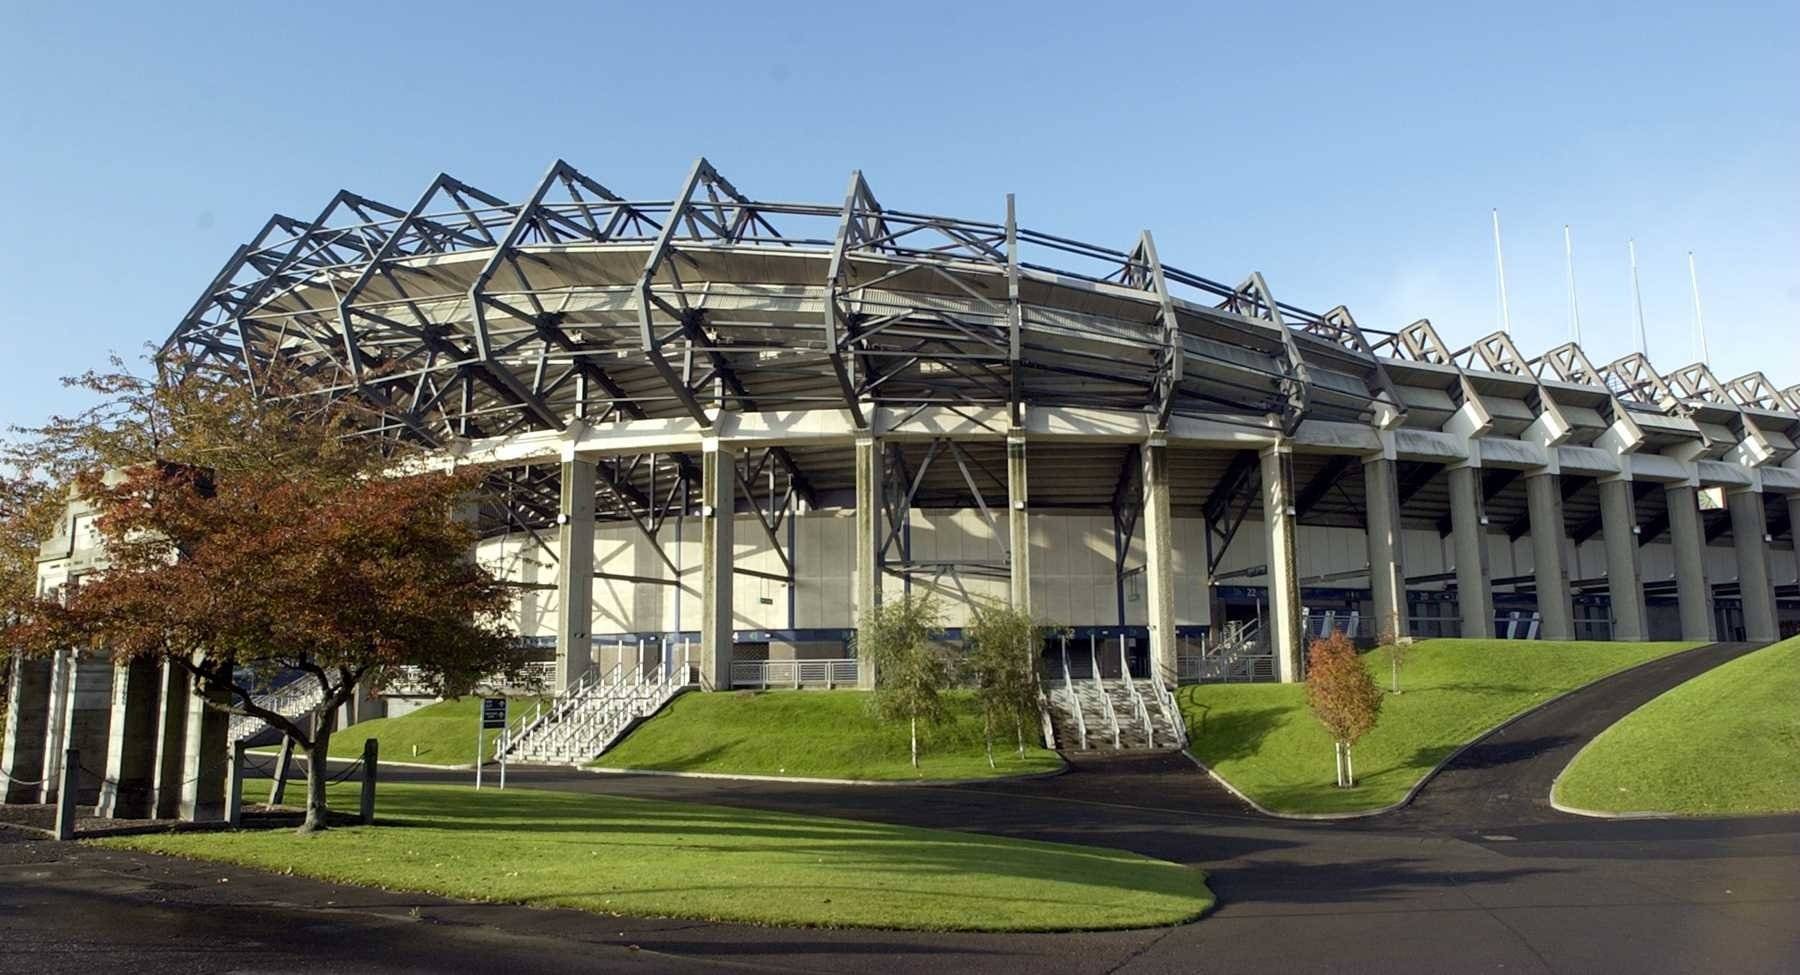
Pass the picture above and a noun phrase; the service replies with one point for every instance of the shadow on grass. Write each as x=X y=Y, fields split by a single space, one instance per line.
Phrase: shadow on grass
x=1231 y=735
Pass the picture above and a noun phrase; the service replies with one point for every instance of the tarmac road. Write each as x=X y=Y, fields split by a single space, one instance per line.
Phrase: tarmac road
x=1479 y=874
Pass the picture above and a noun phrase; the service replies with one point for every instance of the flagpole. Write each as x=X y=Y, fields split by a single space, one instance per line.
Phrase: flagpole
x=1637 y=298
x=1500 y=267
x=1699 y=317
x=1574 y=305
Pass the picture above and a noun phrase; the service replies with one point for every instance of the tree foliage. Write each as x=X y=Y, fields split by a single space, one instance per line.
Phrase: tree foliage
x=1342 y=695
x=1002 y=652
x=246 y=537
x=900 y=639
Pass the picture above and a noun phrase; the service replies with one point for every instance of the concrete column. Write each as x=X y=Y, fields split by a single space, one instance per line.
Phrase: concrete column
x=205 y=757
x=172 y=693
x=1285 y=638
x=1692 y=589
x=718 y=508
x=1387 y=573
x=870 y=533
x=57 y=724
x=1750 y=532
x=22 y=766
x=1017 y=525
x=1543 y=498
x=1468 y=530
x=87 y=719
x=126 y=792
x=1624 y=581
x=1159 y=564
x=575 y=573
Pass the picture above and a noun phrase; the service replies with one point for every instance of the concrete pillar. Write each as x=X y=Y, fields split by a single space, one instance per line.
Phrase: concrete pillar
x=87 y=719
x=1543 y=498
x=1749 y=533
x=1387 y=572
x=575 y=573
x=127 y=790
x=1285 y=639
x=1692 y=588
x=1624 y=581
x=718 y=508
x=172 y=693
x=56 y=724
x=22 y=765
x=205 y=757
x=1468 y=530
x=1159 y=564
x=1017 y=525
x=870 y=533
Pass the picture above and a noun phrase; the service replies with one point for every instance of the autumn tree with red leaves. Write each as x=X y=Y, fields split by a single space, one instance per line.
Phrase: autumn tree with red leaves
x=1343 y=696
x=247 y=537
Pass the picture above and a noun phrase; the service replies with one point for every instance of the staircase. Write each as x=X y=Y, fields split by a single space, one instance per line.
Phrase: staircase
x=590 y=717
x=290 y=700
x=1233 y=652
x=1111 y=713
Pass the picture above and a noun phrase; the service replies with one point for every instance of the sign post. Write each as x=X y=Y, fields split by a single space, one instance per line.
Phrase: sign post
x=493 y=715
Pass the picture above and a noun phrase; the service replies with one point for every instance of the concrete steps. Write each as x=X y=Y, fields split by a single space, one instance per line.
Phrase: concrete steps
x=1103 y=707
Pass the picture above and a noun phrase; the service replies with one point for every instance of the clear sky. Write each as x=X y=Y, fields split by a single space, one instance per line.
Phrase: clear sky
x=1351 y=154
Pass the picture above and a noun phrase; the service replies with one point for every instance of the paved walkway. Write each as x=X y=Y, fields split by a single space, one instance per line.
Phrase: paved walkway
x=1515 y=888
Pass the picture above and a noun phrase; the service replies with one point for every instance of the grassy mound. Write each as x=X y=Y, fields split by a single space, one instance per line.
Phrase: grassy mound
x=1262 y=739
x=1727 y=741
x=664 y=859
x=818 y=734
x=444 y=733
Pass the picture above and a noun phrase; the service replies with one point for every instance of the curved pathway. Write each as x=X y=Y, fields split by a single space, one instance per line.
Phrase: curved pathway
x=1455 y=883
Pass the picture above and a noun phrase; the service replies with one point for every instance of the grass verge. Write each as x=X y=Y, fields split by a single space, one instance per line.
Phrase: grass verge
x=1725 y=742
x=1262 y=739
x=663 y=859
x=444 y=734
x=818 y=734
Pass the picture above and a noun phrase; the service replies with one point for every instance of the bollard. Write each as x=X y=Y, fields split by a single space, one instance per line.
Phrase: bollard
x=234 y=786
x=371 y=754
x=65 y=796
x=283 y=765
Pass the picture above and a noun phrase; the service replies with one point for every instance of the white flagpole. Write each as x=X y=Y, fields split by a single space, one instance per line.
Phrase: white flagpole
x=1699 y=317
x=1574 y=305
x=1637 y=297
x=1500 y=266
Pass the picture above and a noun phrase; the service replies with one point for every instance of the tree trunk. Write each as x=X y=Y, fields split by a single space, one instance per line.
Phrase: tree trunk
x=987 y=735
x=1396 y=665
x=1019 y=729
x=1349 y=767
x=915 y=742
x=317 y=774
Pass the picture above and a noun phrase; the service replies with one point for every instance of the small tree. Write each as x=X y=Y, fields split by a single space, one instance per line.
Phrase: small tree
x=1343 y=696
x=1002 y=650
x=899 y=638
x=1396 y=649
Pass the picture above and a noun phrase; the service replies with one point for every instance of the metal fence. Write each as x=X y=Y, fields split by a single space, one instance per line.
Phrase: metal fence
x=794 y=673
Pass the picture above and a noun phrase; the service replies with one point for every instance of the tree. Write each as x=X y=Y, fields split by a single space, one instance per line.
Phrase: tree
x=1397 y=658
x=899 y=638
x=1003 y=652
x=28 y=512
x=1343 y=696
x=246 y=537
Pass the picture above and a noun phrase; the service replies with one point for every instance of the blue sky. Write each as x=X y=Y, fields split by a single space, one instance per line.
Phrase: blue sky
x=1350 y=154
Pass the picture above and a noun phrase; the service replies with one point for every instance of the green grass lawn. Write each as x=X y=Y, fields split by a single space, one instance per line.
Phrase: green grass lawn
x=1727 y=741
x=1262 y=739
x=444 y=733
x=663 y=859
x=818 y=734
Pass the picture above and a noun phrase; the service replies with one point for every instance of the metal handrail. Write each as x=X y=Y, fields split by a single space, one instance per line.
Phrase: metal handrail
x=1112 y=717
x=1074 y=702
x=1141 y=712
x=1170 y=709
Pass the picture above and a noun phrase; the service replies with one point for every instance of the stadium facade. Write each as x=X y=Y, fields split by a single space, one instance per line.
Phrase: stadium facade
x=719 y=426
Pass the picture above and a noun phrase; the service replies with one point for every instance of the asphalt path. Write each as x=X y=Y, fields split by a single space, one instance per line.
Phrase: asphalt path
x=1478 y=874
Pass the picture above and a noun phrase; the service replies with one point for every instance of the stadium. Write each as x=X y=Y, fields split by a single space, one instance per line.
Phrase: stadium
x=719 y=426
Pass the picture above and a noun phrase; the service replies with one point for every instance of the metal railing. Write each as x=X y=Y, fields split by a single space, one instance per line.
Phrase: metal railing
x=1139 y=711
x=1170 y=709
x=1068 y=686
x=795 y=673
x=291 y=700
x=1233 y=652
x=1112 y=718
